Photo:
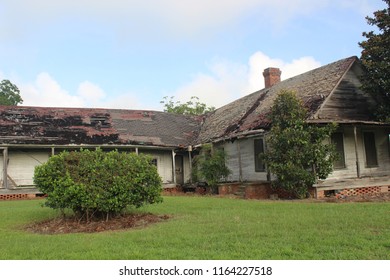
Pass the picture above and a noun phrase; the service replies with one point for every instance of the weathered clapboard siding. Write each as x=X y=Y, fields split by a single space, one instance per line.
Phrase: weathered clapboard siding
x=21 y=165
x=348 y=101
x=382 y=149
x=246 y=147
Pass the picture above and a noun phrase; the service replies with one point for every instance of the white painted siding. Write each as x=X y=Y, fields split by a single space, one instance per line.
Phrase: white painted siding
x=21 y=165
x=164 y=163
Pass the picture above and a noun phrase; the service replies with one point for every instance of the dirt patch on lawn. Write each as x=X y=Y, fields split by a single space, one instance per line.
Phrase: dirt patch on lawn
x=72 y=225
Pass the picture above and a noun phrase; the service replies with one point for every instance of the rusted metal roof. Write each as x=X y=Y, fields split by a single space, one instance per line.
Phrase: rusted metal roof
x=39 y=125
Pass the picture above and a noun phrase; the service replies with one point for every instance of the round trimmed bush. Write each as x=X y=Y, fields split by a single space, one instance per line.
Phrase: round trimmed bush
x=97 y=183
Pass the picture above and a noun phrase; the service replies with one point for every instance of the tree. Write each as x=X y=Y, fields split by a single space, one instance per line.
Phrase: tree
x=296 y=152
x=9 y=94
x=96 y=184
x=192 y=107
x=375 y=58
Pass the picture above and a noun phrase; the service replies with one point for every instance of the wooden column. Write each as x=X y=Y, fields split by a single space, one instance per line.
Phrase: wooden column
x=5 y=167
x=356 y=152
x=190 y=161
x=136 y=150
x=173 y=167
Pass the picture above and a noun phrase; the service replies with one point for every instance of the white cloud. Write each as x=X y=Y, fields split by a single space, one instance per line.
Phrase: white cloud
x=228 y=81
x=45 y=91
x=90 y=93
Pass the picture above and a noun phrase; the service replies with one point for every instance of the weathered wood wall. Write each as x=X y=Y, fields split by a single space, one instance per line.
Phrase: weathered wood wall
x=245 y=147
x=21 y=164
x=382 y=148
x=348 y=101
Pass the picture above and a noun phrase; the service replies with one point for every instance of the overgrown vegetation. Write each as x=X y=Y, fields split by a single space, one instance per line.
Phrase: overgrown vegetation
x=191 y=107
x=296 y=152
x=210 y=166
x=375 y=58
x=97 y=184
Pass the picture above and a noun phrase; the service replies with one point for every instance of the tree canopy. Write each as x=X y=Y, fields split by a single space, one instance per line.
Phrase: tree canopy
x=9 y=94
x=296 y=152
x=375 y=58
x=191 y=107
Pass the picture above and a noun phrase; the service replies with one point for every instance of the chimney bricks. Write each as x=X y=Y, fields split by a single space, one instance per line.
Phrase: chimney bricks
x=271 y=76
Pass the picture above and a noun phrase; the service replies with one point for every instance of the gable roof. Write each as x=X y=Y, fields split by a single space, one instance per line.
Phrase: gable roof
x=315 y=88
x=39 y=125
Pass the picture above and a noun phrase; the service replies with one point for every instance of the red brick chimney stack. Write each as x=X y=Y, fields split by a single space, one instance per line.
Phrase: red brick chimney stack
x=271 y=76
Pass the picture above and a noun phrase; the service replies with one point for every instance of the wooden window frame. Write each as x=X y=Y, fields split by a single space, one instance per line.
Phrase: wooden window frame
x=258 y=148
x=368 y=150
x=341 y=151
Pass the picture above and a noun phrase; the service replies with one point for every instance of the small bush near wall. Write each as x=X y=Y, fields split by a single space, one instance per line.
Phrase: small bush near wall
x=98 y=184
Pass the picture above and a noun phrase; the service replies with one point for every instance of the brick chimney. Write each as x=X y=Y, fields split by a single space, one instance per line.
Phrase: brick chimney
x=271 y=76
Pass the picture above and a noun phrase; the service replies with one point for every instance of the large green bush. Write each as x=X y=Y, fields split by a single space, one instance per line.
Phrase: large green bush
x=97 y=183
x=210 y=167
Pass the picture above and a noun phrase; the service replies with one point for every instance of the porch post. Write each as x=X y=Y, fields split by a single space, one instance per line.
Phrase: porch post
x=239 y=161
x=136 y=150
x=5 y=167
x=190 y=161
x=356 y=152
x=173 y=167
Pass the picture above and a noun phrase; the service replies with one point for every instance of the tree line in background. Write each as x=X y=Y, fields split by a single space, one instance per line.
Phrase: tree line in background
x=9 y=94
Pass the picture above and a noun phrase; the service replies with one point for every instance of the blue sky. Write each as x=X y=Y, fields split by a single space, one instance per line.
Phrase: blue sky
x=130 y=54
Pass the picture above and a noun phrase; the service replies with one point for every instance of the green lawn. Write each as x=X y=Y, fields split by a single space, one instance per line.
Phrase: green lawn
x=211 y=228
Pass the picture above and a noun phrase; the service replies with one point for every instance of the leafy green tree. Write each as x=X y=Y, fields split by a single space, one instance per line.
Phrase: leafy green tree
x=297 y=153
x=375 y=58
x=9 y=93
x=192 y=107
x=210 y=166
x=96 y=184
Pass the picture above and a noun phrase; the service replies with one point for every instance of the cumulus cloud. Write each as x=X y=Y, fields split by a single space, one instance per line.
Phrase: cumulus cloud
x=228 y=81
x=90 y=93
x=45 y=91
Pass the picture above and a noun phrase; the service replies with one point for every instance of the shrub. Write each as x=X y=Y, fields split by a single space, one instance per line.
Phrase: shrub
x=98 y=184
x=210 y=166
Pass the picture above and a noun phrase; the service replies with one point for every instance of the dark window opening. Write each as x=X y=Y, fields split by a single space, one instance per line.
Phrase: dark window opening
x=259 y=150
x=154 y=162
x=370 y=149
x=337 y=139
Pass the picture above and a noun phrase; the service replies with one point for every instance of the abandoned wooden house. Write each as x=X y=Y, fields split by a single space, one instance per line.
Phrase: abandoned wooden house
x=30 y=135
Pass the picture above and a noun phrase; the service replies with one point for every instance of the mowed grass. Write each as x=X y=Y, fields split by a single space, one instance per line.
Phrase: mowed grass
x=212 y=228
